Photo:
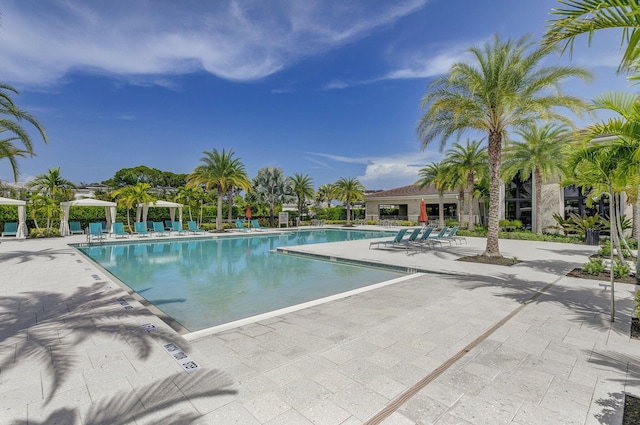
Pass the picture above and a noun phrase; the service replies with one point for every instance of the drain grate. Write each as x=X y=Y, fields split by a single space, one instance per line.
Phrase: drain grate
x=181 y=357
x=125 y=304
x=149 y=327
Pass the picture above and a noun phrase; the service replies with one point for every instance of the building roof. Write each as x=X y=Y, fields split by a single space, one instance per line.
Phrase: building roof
x=413 y=190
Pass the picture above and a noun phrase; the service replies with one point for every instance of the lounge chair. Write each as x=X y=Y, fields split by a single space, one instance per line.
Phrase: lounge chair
x=95 y=232
x=240 y=226
x=452 y=235
x=10 y=229
x=75 y=228
x=168 y=225
x=193 y=227
x=150 y=225
x=396 y=240
x=176 y=226
x=256 y=225
x=440 y=238
x=118 y=230
x=158 y=228
x=424 y=238
x=141 y=229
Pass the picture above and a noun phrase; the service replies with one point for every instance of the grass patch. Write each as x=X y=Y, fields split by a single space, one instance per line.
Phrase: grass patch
x=631 y=410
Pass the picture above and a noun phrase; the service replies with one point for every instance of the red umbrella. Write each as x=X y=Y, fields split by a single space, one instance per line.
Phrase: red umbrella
x=247 y=214
x=423 y=212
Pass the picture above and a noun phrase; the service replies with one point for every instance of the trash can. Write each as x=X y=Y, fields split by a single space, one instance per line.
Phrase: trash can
x=593 y=237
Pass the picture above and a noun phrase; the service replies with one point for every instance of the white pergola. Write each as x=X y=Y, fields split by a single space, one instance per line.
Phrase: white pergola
x=109 y=208
x=143 y=209
x=21 y=232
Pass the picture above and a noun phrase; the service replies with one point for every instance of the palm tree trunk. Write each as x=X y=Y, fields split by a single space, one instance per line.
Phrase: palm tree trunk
x=613 y=231
x=348 y=211
x=230 y=205
x=440 y=209
x=494 y=152
x=538 y=181
x=219 y=212
x=636 y=228
x=471 y=225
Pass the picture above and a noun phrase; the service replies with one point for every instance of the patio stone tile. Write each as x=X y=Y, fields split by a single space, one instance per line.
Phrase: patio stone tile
x=481 y=412
x=360 y=370
x=532 y=414
x=386 y=386
x=333 y=380
x=360 y=401
x=397 y=419
x=449 y=419
x=326 y=412
x=303 y=393
x=423 y=409
x=266 y=407
x=290 y=417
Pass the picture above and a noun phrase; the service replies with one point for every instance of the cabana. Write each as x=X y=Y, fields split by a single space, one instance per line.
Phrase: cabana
x=109 y=209
x=22 y=215
x=143 y=209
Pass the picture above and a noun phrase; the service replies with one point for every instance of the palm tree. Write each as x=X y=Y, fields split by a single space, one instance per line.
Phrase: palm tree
x=626 y=126
x=130 y=196
x=53 y=185
x=436 y=175
x=47 y=206
x=349 y=190
x=540 y=153
x=470 y=162
x=11 y=119
x=190 y=196
x=506 y=88
x=221 y=171
x=302 y=186
x=587 y=16
x=325 y=194
x=270 y=186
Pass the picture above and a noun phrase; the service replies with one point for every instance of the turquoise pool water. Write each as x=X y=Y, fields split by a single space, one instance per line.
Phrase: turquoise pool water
x=202 y=283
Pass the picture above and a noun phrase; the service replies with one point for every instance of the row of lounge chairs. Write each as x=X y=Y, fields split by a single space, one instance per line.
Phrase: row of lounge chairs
x=417 y=240
x=255 y=225
x=96 y=231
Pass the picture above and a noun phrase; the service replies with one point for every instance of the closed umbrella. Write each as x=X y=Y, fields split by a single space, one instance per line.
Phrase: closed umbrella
x=247 y=214
x=423 y=212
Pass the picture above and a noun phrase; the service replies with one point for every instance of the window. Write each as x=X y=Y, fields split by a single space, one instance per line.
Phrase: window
x=518 y=203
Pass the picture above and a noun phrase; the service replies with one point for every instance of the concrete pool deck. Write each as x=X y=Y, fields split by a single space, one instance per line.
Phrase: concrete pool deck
x=475 y=344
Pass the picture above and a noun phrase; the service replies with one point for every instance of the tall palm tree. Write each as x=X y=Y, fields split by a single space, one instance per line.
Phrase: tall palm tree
x=586 y=16
x=470 y=162
x=503 y=89
x=271 y=187
x=349 y=190
x=436 y=175
x=302 y=186
x=130 y=196
x=325 y=194
x=220 y=171
x=541 y=153
x=11 y=120
x=53 y=185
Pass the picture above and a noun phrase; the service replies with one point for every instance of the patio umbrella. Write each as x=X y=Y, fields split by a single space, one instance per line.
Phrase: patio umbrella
x=247 y=214
x=423 y=212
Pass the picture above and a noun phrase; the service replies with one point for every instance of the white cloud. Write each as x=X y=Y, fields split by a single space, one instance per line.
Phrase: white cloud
x=41 y=42
x=425 y=67
x=386 y=172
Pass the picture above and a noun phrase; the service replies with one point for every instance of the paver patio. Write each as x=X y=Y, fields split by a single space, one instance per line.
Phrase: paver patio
x=72 y=352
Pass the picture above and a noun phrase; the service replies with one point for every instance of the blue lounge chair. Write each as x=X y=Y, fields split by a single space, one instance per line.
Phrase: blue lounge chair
x=176 y=226
x=240 y=226
x=396 y=240
x=193 y=227
x=75 y=228
x=424 y=238
x=440 y=236
x=95 y=232
x=158 y=228
x=256 y=225
x=452 y=236
x=141 y=228
x=118 y=230
x=168 y=225
x=10 y=229
x=150 y=225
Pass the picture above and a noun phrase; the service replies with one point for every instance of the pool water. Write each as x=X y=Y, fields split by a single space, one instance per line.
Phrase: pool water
x=202 y=283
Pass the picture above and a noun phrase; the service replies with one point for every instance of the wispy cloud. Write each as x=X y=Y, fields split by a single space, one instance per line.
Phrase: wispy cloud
x=41 y=42
x=385 y=172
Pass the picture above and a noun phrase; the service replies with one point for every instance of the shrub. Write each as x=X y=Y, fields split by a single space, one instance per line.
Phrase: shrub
x=620 y=269
x=504 y=223
x=450 y=222
x=605 y=250
x=595 y=266
x=43 y=233
x=516 y=223
x=638 y=303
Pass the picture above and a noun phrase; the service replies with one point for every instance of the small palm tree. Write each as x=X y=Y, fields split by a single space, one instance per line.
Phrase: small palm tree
x=436 y=175
x=53 y=185
x=540 y=153
x=220 y=171
x=190 y=196
x=349 y=190
x=271 y=187
x=325 y=194
x=470 y=162
x=130 y=196
x=11 y=119
x=505 y=88
x=302 y=186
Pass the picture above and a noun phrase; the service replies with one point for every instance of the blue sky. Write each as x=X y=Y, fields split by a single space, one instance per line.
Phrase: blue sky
x=326 y=88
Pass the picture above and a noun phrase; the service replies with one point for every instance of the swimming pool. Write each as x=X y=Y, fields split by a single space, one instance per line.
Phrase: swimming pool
x=206 y=282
